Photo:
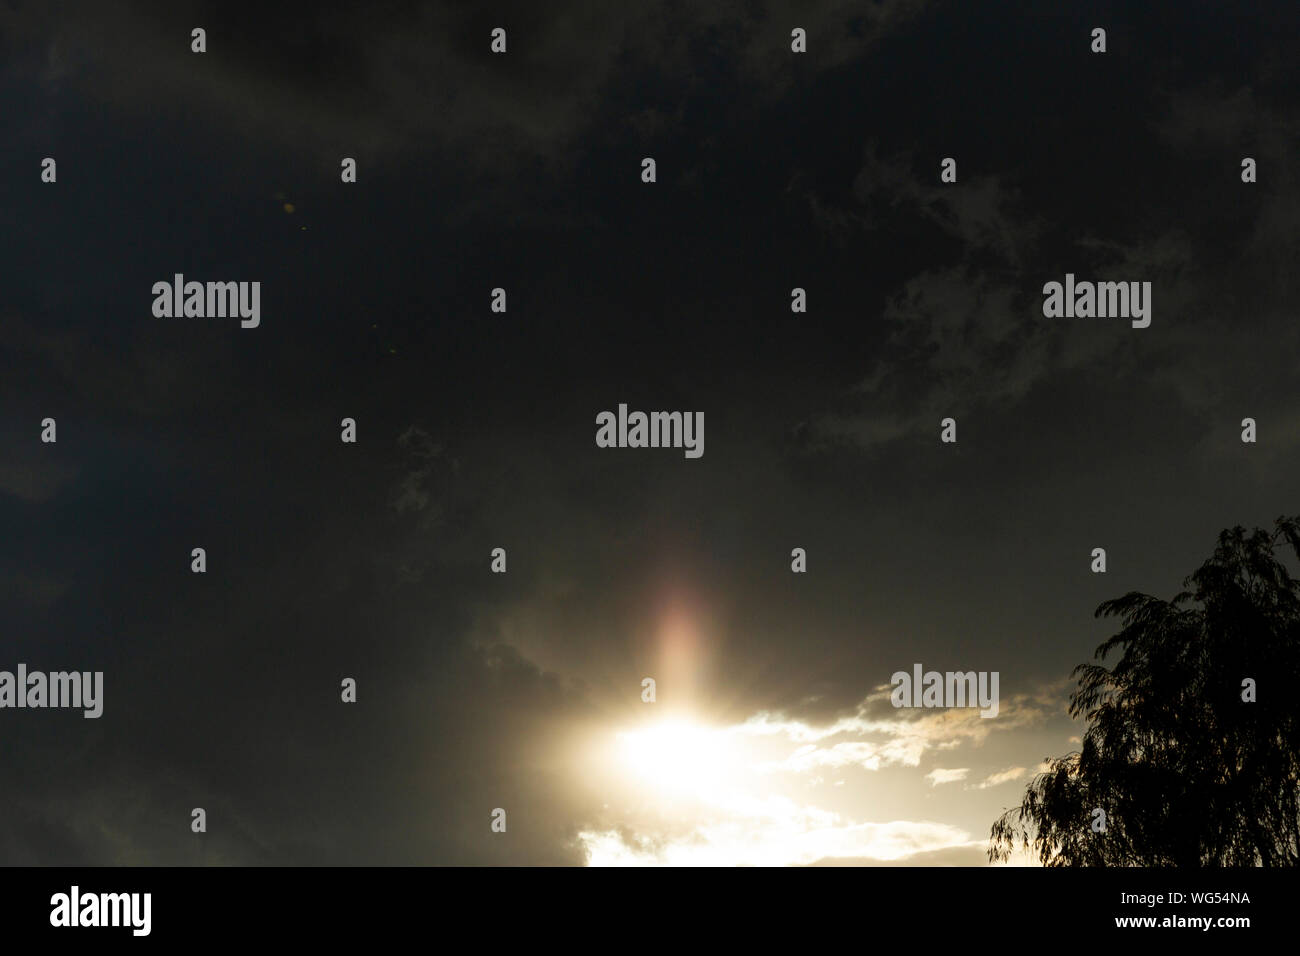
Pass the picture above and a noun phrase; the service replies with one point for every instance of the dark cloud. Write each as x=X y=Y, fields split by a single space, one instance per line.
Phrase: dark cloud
x=417 y=76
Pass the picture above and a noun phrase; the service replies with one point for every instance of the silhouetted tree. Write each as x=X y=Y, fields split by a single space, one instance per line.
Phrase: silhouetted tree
x=1187 y=772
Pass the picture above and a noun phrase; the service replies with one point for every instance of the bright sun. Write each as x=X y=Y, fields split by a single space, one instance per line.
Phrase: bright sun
x=676 y=756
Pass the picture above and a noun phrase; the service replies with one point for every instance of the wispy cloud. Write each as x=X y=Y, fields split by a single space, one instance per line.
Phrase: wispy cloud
x=938 y=775
x=1002 y=776
x=876 y=735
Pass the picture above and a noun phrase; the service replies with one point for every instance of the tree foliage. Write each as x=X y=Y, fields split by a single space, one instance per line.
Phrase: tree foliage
x=1187 y=772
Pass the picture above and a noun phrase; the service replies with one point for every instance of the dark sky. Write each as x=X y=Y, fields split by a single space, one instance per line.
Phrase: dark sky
x=476 y=430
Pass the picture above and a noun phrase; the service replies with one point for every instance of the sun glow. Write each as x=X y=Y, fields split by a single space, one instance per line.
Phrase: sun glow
x=685 y=792
x=676 y=756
